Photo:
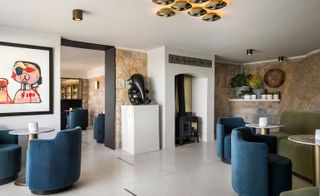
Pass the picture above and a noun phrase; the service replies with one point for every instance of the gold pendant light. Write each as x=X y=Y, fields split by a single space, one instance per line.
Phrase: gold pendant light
x=163 y=2
x=181 y=6
x=195 y=8
x=165 y=12
x=198 y=1
x=215 y=4
x=197 y=11
x=211 y=17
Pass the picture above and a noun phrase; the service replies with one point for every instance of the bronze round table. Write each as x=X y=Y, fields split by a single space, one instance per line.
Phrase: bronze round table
x=310 y=140
x=265 y=130
x=31 y=135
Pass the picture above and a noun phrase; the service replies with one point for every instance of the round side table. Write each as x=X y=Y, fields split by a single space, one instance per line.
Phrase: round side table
x=264 y=130
x=310 y=140
x=31 y=135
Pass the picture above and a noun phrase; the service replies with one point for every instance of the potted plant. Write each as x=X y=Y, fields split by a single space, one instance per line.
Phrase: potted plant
x=255 y=82
x=240 y=84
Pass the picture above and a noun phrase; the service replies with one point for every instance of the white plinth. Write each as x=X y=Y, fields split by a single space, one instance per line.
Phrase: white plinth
x=140 y=128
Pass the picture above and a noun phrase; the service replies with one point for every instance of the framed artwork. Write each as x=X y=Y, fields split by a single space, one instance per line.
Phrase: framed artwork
x=26 y=79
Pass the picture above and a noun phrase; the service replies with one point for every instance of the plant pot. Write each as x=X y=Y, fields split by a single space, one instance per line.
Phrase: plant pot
x=259 y=92
x=240 y=90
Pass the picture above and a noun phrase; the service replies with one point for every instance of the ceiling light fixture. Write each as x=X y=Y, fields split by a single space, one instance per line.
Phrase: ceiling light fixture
x=77 y=14
x=249 y=52
x=281 y=59
x=195 y=8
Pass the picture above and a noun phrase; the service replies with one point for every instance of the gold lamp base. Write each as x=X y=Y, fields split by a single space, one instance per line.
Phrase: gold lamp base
x=265 y=131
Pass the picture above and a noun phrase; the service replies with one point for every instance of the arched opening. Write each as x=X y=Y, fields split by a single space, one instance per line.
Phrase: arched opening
x=190 y=108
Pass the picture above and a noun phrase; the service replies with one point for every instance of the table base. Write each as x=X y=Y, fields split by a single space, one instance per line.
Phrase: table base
x=265 y=131
x=316 y=167
x=21 y=181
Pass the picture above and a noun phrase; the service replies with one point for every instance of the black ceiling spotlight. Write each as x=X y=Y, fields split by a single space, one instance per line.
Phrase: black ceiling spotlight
x=77 y=14
x=281 y=59
x=249 y=52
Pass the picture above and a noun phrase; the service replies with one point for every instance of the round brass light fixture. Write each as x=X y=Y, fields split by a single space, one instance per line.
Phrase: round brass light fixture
x=166 y=12
x=211 y=17
x=197 y=11
x=198 y=1
x=181 y=6
x=77 y=14
x=215 y=4
x=163 y=2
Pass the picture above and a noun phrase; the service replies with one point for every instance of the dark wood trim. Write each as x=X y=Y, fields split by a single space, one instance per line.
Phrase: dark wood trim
x=51 y=78
x=110 y=86
x=84 y=45
x=110 y=98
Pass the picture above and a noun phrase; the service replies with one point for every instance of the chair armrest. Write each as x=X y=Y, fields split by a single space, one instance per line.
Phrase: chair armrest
x=220 y=140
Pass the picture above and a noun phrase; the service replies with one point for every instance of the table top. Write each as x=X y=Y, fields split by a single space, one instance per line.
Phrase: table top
x=26 y=132
x=304 y=139
x=271 y=126
x=2 y=129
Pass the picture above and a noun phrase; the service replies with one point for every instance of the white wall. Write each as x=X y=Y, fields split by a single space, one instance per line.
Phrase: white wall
x=199 y=90
x=162 y=75
x=40 y=39
x=95 y=72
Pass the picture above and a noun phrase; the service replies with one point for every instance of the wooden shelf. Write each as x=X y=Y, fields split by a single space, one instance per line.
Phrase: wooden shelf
x=256 y=100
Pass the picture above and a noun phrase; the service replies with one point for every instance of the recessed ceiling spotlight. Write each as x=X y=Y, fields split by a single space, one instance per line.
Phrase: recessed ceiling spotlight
x=77 y=14
x=281 y=59
x=249 y=52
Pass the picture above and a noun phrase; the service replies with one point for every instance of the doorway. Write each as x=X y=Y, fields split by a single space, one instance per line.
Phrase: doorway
x=109 y=53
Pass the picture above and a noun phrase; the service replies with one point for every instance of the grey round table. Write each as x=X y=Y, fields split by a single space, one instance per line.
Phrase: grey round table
x=31 y=135
x=311 y=141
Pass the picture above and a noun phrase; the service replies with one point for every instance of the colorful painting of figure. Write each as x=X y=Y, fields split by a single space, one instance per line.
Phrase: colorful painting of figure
x=28 y=74
x=4 y=95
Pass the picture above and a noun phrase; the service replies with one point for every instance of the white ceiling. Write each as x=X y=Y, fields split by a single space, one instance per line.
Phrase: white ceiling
x=273 y=28
x=80 y=60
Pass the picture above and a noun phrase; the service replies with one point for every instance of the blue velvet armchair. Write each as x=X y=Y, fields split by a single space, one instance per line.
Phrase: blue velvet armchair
x=78 y=117
x=54 y=165
x=10 y=157
x=224 y=128
x=99 y=128
x=256 y=169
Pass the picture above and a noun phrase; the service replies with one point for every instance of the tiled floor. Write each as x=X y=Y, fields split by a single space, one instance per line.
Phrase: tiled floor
x=190 y=170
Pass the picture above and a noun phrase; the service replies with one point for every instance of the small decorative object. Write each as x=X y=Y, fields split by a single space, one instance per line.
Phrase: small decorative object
x=269 y=96
x=240 y=84
x=263 y=96
x=274 y=78
x=256 y=84
x=137 y=92
x=276 y=96
x=33 y=127
x=26 y=79
x=247 y=97
x=263 y=121
x=253 y=97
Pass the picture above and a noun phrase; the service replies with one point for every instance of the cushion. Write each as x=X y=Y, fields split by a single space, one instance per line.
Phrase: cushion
x=10 y=160
x=280 y=174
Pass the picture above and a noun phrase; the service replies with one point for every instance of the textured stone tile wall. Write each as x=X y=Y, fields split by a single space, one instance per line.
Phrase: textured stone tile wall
x=96 y=97
x=300 y=92
x=127 y=63
x=85 y=93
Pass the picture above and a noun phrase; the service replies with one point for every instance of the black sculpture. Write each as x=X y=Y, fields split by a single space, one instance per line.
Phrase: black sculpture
x=137 y=92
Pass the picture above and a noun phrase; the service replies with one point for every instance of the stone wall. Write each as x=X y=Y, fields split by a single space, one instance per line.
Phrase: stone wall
x=300 y=92
x=127 y=63
x=85 y=93
x=96 y=100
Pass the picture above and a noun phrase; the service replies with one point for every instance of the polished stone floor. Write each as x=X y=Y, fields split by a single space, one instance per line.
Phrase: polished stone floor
x=190 y=170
